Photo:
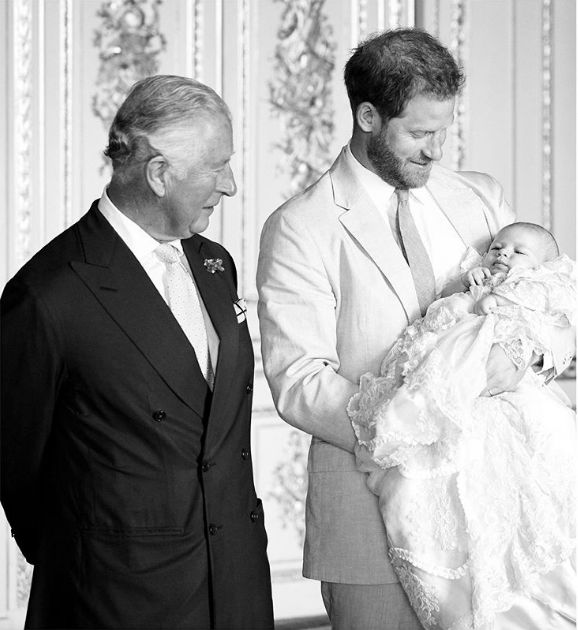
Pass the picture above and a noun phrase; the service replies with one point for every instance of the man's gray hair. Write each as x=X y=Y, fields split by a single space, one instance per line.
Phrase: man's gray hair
x=154 y=119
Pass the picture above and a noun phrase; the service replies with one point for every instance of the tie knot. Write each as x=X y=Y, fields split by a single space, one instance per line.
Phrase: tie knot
x=402 y=195
x=168 y=253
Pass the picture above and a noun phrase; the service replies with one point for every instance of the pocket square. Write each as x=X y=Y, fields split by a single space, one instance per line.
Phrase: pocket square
x=240 y=310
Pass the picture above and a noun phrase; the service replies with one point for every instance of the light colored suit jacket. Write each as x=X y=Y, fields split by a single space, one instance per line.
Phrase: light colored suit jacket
x=334 y=294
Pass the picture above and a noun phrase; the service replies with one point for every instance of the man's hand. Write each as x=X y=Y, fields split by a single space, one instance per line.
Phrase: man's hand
x=476 y=276
x=502 y=375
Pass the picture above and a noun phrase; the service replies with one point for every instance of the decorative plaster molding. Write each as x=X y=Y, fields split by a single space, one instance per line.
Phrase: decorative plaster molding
x=130 y=41
x=458 y=35
x=194 y=34
x=361 y=20
x=199 y=34
x=354 y=21
x=381 y=15
x=436 y=19
x=23 y=580
x=547 y=43
x=248 y=227
x=22 y=127
x=300 y=92
x=290 y=483
x=410 y=16
x=218 y=45
x=395 y=13
x=66 y=61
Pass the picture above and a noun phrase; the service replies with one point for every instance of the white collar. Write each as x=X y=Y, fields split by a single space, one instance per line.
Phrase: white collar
x=379 y=190
x=141 y=244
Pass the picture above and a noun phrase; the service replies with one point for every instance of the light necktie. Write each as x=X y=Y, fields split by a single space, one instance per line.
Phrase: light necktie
x=185 y=305
x=415 y=253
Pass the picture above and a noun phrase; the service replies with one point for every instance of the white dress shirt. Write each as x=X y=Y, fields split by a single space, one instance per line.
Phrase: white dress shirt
x=142 y=245
x=443 y=244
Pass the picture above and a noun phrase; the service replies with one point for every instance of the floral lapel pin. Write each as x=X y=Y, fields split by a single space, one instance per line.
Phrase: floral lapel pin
x=240 y=310
x=213 y=264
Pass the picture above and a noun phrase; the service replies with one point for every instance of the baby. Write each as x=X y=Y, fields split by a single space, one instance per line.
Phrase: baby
x=477 y=493
x=521 y=245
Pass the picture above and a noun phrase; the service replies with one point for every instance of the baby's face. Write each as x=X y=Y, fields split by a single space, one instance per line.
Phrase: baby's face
x=514 y=247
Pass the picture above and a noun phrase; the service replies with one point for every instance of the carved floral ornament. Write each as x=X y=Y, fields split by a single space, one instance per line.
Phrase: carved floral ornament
x=289 y=484
x=300 y=92
x=129 y=40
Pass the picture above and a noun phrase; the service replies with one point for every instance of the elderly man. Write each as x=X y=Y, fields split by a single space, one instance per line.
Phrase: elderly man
x=343 y=268
x=126 y=392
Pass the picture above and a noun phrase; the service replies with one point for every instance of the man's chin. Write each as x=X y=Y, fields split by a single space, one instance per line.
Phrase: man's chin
x=416 y=176
x=199 y=226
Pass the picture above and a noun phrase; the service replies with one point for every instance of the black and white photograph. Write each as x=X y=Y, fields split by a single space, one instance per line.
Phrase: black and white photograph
x=288 y=314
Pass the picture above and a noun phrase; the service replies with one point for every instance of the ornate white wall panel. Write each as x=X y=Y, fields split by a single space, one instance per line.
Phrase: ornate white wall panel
x=563 y=130
x=459 y=29
x=23 y=113
x=66 y=60
x=516 y=119
x=547 y=113
x=5 y=135
x=6 y=547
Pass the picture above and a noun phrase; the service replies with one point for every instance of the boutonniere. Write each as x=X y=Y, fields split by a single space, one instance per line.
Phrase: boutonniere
x=240 y=310
x=213 y=264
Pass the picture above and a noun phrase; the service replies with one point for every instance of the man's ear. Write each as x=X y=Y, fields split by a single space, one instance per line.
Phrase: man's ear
x=156 y=171
x=367 y=117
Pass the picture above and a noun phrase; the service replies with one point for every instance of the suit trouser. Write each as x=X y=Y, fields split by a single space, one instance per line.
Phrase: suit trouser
x=385 y=607
x=368 y=607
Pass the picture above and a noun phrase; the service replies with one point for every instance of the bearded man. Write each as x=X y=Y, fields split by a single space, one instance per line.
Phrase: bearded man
x=344 y=267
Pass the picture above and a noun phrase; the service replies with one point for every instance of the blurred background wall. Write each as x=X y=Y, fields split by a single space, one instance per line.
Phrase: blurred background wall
x=65 y=65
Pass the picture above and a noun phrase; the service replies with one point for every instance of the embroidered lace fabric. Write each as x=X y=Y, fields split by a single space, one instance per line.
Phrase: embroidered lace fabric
x=477 y=493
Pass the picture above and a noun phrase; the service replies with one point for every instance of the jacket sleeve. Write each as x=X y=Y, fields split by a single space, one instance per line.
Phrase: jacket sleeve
x=31 y=372
x=297 y=316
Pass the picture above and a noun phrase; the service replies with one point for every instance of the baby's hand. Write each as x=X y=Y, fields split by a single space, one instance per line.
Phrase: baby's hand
x=485 y=305
x=476 y=276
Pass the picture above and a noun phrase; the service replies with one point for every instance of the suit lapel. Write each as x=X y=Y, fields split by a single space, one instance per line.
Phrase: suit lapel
x=125 y=291
x=219 y=304
x=464 y=209
x=366 y=225
x=218 y=297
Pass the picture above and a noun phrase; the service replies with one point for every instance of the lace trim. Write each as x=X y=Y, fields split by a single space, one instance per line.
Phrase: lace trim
x=423 y=597
x=428 y=567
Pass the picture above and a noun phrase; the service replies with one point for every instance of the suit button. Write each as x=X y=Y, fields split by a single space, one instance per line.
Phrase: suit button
x=244 y=454
x=254 y=516
x=205 y=466
x=159 y=415
x=249 y=388
x=213 y=529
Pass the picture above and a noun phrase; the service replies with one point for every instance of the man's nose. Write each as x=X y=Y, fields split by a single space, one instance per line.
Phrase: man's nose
x=433 y=148
x=227 y=184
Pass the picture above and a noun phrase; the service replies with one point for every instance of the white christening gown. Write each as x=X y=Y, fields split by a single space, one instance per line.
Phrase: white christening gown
x=477 y=493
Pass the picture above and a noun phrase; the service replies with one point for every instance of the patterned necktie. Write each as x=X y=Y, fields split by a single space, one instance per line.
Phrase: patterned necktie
x=185 y=305
x=415 y=253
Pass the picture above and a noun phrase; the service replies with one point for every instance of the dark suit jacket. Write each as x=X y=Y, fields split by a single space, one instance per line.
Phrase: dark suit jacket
x=126 y=482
